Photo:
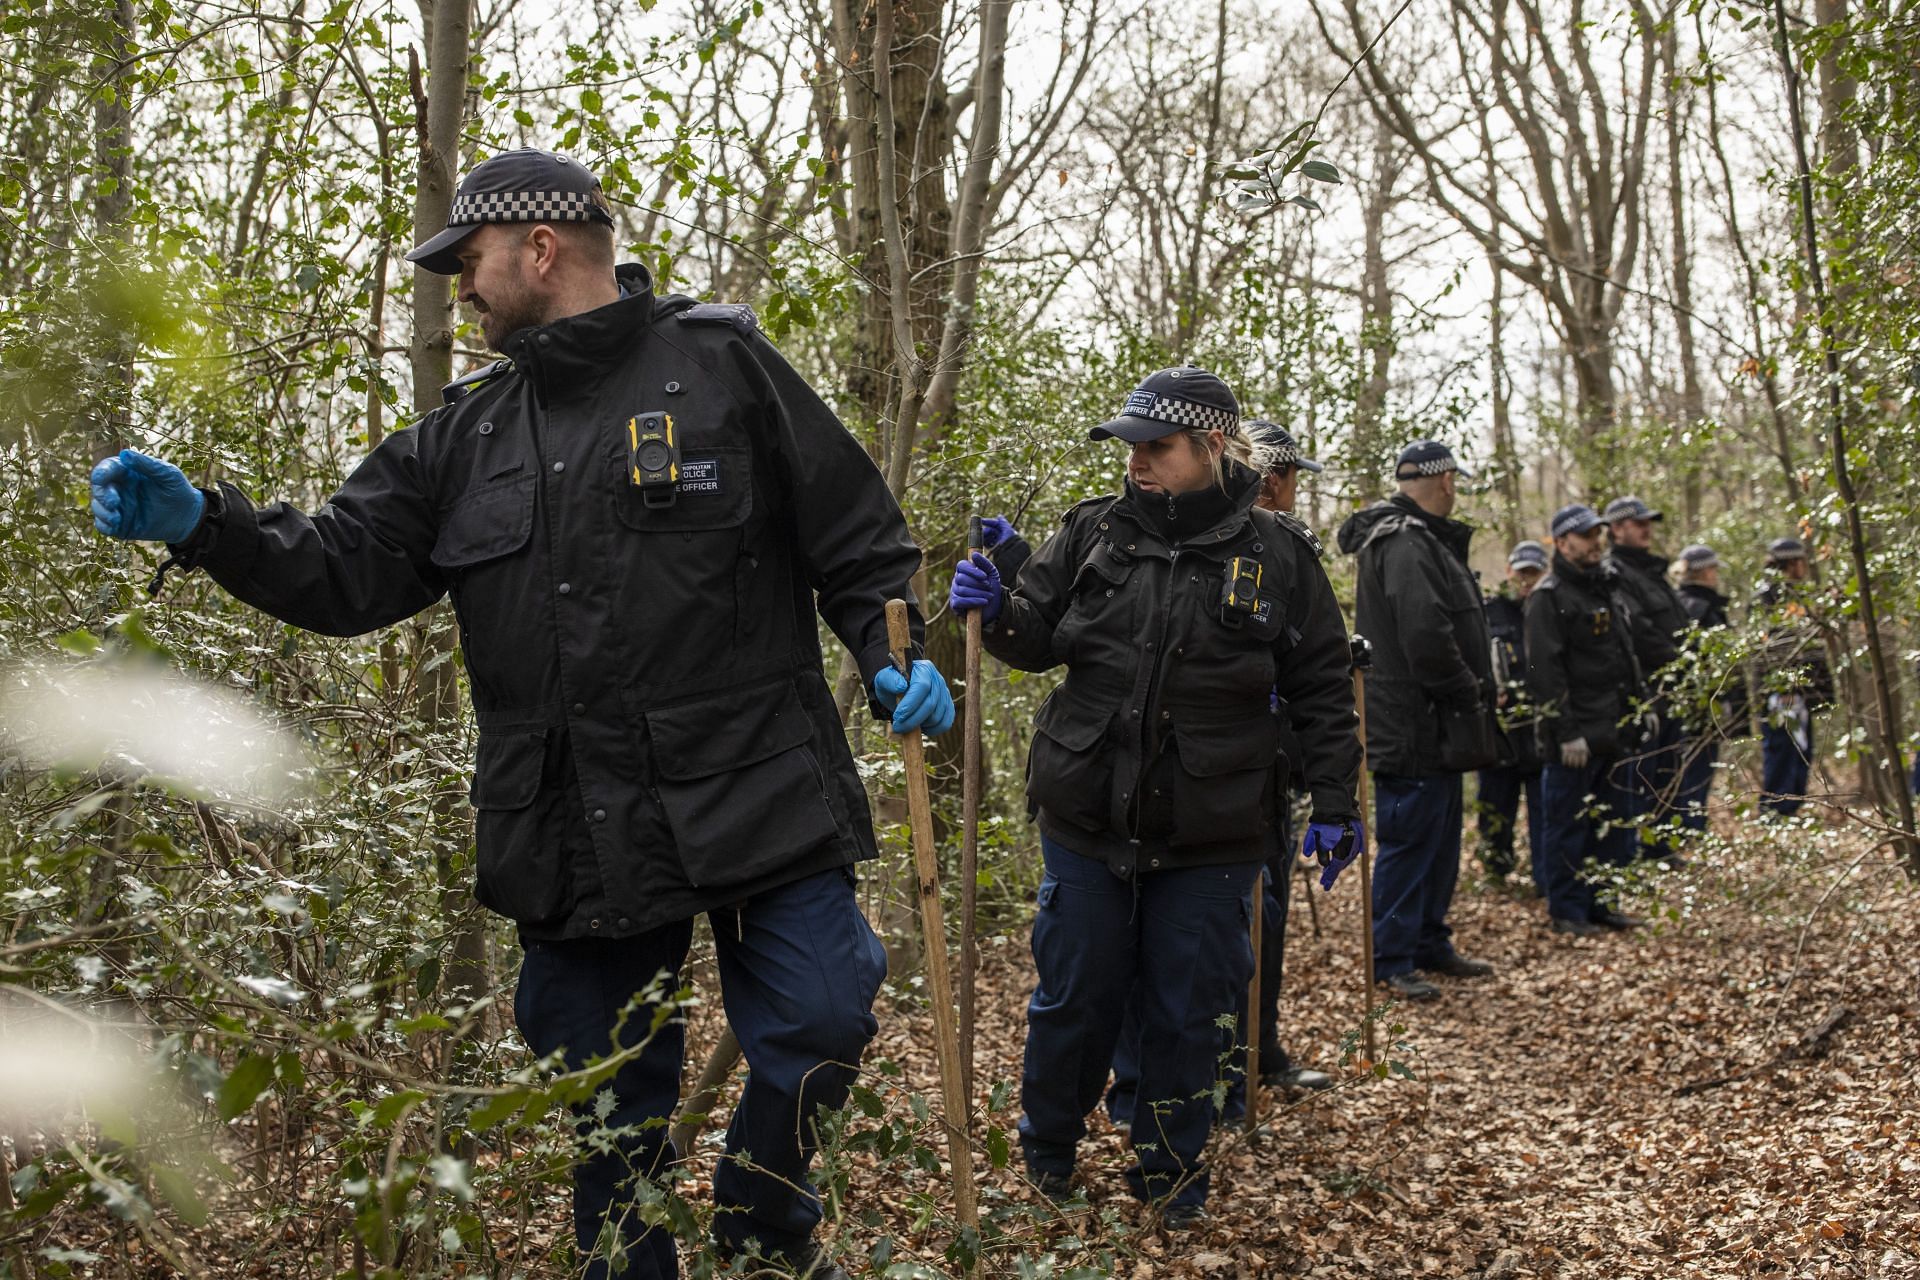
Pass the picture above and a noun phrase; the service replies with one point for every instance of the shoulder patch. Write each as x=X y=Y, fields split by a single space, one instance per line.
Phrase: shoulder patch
x=737 y=314
x=1298 y=528
x=461 y=386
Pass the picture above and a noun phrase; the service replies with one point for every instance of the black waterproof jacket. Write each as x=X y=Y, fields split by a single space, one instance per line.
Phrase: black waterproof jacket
x=1419 y=604
x=656 y=735
x=1163 y=745
x=1660 y=620
x=1506 y=625
x=1581 y=668
x=1707 y=607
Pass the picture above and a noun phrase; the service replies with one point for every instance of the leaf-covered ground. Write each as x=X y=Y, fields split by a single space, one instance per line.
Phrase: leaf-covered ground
x=1731 y=1093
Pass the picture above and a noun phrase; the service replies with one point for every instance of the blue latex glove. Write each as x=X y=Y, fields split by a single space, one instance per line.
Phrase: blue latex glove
x=923 y=703
x=976 y=585
x=995 y=530
x=144 y=499
x=1334 y=845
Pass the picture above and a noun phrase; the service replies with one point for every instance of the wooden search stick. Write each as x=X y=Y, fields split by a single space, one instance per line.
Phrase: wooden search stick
x=933 y=930
x=970 y=781
x=1362 y=655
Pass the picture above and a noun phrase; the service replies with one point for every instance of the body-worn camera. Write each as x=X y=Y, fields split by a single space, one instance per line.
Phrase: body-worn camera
x=1240 y=593
x=653 y=457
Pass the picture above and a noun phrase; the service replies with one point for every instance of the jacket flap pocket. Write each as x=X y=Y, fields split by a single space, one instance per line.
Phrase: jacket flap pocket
x=712 y=489
x=507 y=769
x=1211 y=747
x=716 y=735
x=1069 y=721
x=1105 y=562
x=487 y=523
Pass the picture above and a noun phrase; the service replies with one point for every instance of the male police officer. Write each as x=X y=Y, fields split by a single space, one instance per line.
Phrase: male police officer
x=633 y=513
x=1795 y=677
x=1659 y=623
x=1700 y=594
x=1584 y=679
x=1429 y=700
x=1501 y=785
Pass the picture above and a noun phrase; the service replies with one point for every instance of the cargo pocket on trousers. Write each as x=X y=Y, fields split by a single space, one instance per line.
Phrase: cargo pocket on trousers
x=1224 y=784
x=519 y=865
x=743 y=791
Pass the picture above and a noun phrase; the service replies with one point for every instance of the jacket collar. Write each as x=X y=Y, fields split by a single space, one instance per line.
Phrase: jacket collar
x=1598 y=578
x=1204 y=518
x=568 y=356
x=1641 y=559
x=1455 y=535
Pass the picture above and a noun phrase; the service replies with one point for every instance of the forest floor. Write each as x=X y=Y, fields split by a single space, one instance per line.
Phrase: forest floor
x=1729 y=1093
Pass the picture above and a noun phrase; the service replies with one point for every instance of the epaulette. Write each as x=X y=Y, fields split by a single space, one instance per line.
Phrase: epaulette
x=1387 y=526
x=1298 y=528
x=461 y=386
x=1547 y=583
x=737 y=314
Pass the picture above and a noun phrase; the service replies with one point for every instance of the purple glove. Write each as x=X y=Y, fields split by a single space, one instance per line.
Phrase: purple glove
x=995 y=530
x=976 y=585
x=1334 y=845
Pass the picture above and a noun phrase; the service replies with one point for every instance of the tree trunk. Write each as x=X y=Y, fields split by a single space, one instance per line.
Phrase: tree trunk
x=440 y=108
x=1372 y=450
x=1693 y=405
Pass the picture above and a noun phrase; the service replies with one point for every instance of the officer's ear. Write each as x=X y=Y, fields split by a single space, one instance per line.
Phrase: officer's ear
x=543 y=249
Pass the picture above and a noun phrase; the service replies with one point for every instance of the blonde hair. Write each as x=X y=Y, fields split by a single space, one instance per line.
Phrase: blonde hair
x=1236 y=448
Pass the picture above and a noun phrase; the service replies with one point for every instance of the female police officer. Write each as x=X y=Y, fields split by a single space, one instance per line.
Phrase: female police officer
x=1180 y=612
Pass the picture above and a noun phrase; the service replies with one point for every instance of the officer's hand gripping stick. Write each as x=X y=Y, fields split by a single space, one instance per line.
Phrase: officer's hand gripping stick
x=933 y=932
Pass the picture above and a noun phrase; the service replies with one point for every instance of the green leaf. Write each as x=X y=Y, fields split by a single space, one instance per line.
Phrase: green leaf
x=1319 y=171
x=250 y=1077
x=394 y=1105
x=176 y=1188
x=79 y=643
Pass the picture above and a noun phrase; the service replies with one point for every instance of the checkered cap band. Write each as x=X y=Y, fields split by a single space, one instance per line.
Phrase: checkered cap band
x=1186 y=413
x=525 y=206
x=1431 y=467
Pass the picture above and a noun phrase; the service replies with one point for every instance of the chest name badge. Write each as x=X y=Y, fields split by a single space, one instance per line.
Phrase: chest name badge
x=699 y=475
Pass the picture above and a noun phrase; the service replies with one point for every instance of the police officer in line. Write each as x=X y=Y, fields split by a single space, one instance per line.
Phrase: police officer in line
x=1272 y=453
x=1660 y=624
x=1795 y=678
x=1585 y=681
x=1429 y=710
x=1707 y=607
x=1518 y=771
x=633 y=511
x=1277 y=458
x=1179 y=610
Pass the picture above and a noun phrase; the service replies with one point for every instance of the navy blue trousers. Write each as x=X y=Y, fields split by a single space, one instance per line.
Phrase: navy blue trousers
x=1498 y=807
x=1276 y=888
x=1784 y=769
x=1696 y=781
x=1176 y=947
x=799 y=968
x=1416 y=825
x=1583 y=818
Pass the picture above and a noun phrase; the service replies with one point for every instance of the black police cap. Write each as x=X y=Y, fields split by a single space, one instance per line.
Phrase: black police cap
x=1426 y=458
x=1274 y=447
x=1183 y=399
x=518 y=186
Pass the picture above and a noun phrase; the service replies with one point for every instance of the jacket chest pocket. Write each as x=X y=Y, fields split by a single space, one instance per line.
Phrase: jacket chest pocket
x=482 y=547
x=711 y=490
x=1103 y=601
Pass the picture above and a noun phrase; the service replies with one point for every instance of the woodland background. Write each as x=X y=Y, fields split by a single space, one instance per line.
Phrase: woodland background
x=1577 y=240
